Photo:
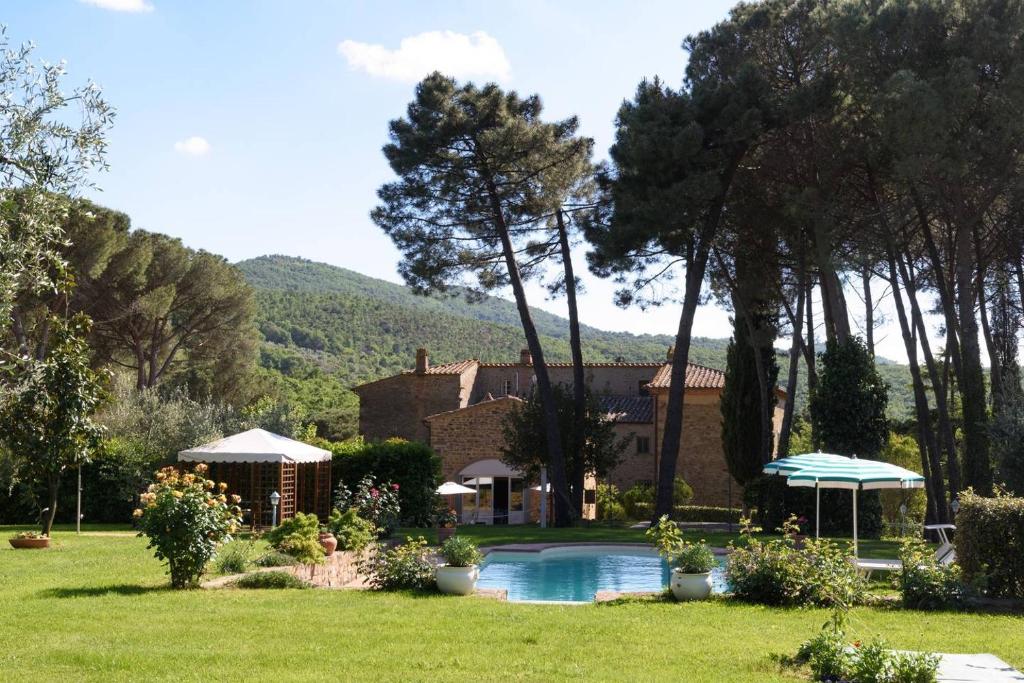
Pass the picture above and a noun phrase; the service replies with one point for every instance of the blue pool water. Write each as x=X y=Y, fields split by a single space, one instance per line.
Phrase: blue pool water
x=576 y=574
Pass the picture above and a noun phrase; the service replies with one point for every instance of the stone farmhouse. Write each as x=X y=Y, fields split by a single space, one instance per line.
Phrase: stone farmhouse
x=458 y=409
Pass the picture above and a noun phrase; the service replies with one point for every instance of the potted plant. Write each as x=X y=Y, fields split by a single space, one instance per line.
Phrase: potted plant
x=460 y=571
x=29 y=539
x=691 y=563
x=446 y=519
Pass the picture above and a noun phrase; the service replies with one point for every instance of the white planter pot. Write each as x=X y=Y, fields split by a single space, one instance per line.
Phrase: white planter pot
x=690 y=586
x=458 y=580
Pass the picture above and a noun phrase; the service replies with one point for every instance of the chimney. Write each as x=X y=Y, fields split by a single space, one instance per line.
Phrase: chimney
x=525 y=358
x=671 y=352
x=422 y=361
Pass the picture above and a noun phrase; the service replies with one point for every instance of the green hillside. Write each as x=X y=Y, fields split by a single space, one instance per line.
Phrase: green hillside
x=336 y=327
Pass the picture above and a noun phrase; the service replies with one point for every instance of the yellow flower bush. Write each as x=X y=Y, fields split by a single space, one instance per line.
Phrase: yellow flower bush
x=186 y=521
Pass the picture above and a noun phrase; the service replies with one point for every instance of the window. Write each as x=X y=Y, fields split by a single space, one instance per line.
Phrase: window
x=642 y=387
x=589 y=496
x=515 y=497
x=507 y=388
x=643 y=444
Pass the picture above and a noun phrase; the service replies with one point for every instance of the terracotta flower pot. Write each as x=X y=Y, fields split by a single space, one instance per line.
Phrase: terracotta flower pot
x=329 y=542
x=24 y=543
x=444 y=533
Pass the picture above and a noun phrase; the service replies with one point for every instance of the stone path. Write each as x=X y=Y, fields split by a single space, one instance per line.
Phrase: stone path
x=976 y=669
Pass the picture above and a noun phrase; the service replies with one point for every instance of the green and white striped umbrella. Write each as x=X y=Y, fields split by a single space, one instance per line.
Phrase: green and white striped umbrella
x=856 y=474
x=797 y=462
x=828 y=471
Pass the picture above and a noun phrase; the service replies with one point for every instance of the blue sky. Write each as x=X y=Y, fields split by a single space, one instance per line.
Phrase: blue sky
x=249 y=128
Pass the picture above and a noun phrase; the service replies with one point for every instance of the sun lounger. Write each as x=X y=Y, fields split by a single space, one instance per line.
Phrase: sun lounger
x=944 y=554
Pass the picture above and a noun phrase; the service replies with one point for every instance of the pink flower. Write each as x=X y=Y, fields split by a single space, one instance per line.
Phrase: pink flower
x=374 y=493
x=394 y=487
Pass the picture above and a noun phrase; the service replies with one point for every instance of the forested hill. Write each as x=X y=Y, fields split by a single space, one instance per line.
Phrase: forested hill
x=367 y=315
x=325 y=324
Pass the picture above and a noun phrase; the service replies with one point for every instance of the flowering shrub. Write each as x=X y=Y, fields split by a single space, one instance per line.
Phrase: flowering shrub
x=404 y=566
x=373 y=501
x=776 y=572
x=298 y=536
x=186 y=517
x=352 y=531
x=687 y=557
x=923 y=582
x=446 y=517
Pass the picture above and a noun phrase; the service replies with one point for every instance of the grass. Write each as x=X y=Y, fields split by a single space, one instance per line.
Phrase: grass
x=96 y=607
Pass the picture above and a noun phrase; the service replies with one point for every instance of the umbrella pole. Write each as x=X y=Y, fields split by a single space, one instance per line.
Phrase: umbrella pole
x=855 y=523
x=817 y=511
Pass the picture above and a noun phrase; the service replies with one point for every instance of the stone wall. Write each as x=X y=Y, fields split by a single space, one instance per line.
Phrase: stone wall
x=701 y=458
x=465 y=436
x=339 y=569
x=396 y=406
x=635 y=467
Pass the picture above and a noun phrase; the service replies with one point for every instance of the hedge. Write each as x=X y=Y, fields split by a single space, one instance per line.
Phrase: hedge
x=706 y=513
x=410 y=464
x=990 y=543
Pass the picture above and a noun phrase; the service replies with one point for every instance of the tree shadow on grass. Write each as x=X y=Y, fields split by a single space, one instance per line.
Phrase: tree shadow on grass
x=98 y=591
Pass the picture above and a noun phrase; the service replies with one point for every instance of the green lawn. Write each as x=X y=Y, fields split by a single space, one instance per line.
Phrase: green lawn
x=95 y=607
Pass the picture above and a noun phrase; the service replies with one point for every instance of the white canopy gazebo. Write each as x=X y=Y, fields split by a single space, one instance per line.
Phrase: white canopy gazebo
x=256 y=463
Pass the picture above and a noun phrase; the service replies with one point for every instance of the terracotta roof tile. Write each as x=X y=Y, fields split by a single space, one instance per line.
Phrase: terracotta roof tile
x=456 y=368
x=697 y=377
x=629 y=408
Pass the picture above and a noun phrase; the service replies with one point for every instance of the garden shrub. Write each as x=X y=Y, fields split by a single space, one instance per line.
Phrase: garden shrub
x=923 y=582
x=460 y=551
x=352 y=531
x=776 y=572
x=682 y=493
x=410 y=464
x=706 y=513
x=831 y=658
x=234 y=558
x=275 y=558
x=378 y=503
x=405 y=566
x=270 y=580
x=186 y=521
x=609 y=507
x=990 y=543
x=298 y=536
x=638 y=501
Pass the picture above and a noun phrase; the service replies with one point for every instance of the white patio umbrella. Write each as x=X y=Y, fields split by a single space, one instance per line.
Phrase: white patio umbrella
x=787 y=466
x=450 y=488
x=855 y=474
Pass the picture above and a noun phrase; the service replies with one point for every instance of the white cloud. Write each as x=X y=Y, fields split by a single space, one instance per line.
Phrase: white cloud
x=194 y=146
x=121 y=5
x=454 y=54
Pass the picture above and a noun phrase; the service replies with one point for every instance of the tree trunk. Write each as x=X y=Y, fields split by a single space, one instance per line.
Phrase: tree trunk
x=938 y=382
x=673 y=429
x=977 y=468
x=809 y=351
x=562 y=501
x=927 y=444
x=869 y=311
x=52 y=489
x=791 y=380
x=577 y=472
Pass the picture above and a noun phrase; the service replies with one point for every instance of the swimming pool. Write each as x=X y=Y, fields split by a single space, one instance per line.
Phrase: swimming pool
x=577 y=573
